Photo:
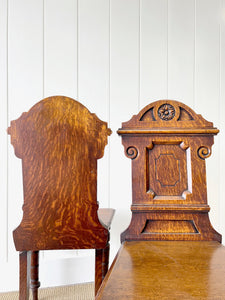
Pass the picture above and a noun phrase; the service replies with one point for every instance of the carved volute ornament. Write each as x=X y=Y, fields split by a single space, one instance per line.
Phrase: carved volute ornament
x=168 y=144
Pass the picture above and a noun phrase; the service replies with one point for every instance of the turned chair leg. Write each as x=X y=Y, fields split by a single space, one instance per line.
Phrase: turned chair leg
x=24 y=275
x=34 y=282
x=101 y=266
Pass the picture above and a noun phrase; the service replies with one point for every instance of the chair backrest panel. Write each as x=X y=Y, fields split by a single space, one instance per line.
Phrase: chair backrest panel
x=168 y=144
x=59 y=142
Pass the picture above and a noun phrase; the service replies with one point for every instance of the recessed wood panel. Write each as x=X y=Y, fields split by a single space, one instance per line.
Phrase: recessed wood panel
x=173 y=226
x=171 y=164
x=167 y=166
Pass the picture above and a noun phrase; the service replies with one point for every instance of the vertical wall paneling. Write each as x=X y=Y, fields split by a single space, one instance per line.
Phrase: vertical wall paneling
x=207 y=87
x=153 y=51
x=60 y=48
x=222 y=119
x=124 y=60
x=181 y=43
x=25 y=55
x=25 y=71
x=93 y=72
x=124 y=99
x=3 y=126
x=93 y=45
x=60 y=78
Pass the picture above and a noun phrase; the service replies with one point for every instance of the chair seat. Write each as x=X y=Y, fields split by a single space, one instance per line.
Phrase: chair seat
x=166 y=270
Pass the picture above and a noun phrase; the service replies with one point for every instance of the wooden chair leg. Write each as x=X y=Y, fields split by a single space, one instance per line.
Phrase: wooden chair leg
x=34 y=282
x=98 y=269
x=24 y=275
x=105 y=261
x=101 y=266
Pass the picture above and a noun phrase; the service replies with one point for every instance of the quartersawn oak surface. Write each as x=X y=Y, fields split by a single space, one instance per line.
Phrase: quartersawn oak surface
x=59 y=142
x=170 y=249
x=166 y=270
x=168 y=144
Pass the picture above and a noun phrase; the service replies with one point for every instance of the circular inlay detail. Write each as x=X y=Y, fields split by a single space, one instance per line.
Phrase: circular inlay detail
x=166 y=112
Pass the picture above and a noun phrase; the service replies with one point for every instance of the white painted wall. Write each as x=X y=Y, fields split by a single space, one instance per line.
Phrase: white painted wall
x=115 y=57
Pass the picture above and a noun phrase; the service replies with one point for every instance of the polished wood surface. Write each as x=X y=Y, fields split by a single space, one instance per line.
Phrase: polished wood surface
x=168 y=144
x=34 y=276
x=24 y=279
x=59 y=142
x=166 y=270
x=170 y=249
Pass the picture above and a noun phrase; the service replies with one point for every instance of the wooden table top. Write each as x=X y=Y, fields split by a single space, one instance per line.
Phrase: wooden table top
x=166 y=270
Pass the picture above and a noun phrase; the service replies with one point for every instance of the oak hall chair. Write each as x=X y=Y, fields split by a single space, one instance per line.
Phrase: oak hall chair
x=59 y=142
x=170 y=249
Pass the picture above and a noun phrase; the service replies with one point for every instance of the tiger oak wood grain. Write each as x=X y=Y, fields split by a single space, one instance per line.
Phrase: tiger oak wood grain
x=59 y=142
x=168 y=144
x=166 y=270
x=170 y=249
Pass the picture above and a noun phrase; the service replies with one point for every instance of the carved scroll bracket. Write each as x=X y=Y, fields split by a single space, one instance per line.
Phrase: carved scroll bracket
x=204 y=152
x=131 y=152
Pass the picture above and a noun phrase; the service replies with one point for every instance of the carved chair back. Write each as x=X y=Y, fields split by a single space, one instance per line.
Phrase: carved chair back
x=168 y=144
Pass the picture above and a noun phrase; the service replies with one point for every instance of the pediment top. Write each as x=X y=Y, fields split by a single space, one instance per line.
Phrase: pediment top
x=167 y=116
